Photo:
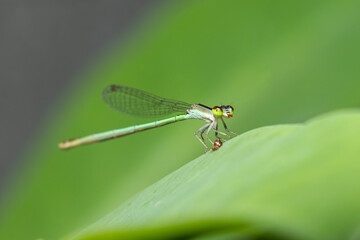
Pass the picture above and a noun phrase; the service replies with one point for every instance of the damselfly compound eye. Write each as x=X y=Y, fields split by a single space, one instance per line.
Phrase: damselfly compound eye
x=227 y=111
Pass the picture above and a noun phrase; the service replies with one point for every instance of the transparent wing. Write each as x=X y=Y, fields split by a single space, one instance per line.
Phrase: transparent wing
x=140 y=103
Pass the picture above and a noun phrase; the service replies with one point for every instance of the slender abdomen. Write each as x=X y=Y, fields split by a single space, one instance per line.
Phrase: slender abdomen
x=99 y=137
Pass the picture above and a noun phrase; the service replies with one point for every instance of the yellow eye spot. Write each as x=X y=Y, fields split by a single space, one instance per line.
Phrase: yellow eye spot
x=217 y=111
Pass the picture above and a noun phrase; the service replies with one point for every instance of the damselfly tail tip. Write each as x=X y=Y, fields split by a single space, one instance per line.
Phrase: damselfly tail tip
x=65 y=145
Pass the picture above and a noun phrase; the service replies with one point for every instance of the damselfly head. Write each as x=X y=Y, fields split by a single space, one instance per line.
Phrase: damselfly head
x=223 y=111
x=227 y=111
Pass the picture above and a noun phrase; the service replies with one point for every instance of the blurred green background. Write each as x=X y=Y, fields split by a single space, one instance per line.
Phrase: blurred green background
x=274 y=61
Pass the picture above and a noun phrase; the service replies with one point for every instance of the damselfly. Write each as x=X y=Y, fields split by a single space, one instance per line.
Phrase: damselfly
x=140 y=103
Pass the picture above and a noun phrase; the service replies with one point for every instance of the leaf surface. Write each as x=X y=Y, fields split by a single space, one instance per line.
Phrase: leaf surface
x=285 y=181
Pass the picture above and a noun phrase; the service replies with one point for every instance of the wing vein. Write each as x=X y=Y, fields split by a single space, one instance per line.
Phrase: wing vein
x=136 y=102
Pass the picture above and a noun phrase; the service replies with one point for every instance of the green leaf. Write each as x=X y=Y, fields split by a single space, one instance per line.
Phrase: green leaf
x=294 y=181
